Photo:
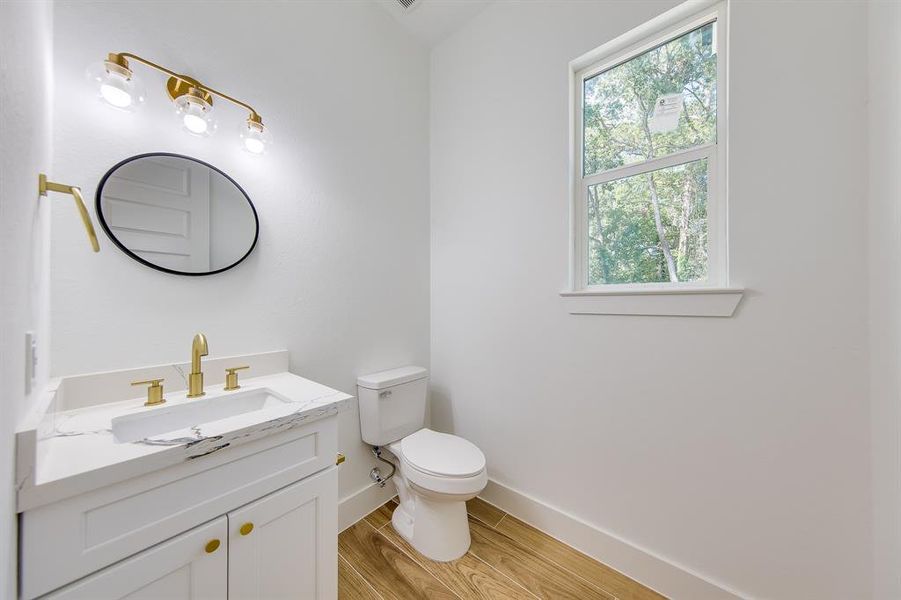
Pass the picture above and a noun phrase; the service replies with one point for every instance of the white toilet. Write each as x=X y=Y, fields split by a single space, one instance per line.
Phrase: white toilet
x=436 y=473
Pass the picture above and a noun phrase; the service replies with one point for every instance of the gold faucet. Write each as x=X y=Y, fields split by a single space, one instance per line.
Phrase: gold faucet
x=195 y=379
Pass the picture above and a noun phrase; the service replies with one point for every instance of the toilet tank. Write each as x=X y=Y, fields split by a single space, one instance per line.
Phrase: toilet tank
x=392 y=404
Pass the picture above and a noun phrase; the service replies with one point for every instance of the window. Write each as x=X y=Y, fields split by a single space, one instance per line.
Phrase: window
x=649 y=143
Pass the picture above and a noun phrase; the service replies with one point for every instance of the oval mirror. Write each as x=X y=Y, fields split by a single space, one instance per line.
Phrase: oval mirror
x=177 y=214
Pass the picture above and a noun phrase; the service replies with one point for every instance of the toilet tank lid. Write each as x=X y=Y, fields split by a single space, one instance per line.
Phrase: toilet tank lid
x=385 y=379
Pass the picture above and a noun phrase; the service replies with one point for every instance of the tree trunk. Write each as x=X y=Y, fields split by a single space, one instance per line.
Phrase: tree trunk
x=594 y=212
x=661 y=231
x=685 y=217
x=655 y=201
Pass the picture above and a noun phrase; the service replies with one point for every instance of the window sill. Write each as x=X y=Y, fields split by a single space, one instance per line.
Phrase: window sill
x=693 y=302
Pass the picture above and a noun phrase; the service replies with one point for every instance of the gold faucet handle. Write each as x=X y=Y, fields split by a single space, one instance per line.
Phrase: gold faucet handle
x=231 y=377
x=154 y=392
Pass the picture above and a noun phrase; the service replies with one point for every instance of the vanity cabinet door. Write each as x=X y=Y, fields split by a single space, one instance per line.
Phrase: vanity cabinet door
x=285 y=545
x=191 y=566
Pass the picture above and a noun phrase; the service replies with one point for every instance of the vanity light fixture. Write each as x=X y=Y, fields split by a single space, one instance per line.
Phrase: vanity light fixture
x=119 y=87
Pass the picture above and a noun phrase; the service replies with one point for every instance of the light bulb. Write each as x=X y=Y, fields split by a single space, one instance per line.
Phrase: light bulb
x=115 y=95
x=254 y=145
x=254 y=136
x=194 y=112
x=195 y=123
x=116 y=85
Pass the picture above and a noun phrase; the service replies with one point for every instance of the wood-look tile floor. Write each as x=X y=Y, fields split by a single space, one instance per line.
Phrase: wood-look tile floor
x=508 y=559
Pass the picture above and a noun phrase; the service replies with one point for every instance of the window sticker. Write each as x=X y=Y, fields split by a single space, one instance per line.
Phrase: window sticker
x=667 y=110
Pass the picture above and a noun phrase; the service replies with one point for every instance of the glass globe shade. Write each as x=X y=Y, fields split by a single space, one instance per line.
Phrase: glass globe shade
x=195 y=115
x=116 y=86
x=255 y=138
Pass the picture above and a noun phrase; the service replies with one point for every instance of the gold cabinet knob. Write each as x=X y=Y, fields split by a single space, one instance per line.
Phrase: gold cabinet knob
x=212 y=546
x=341 y=458
x=154 y=392
x=231 y=377
x=246 y=528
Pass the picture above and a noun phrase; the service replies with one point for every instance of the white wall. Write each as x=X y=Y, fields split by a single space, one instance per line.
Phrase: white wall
x=736 y=448
x=340 y=274
x=885 y=289
x=25 y=120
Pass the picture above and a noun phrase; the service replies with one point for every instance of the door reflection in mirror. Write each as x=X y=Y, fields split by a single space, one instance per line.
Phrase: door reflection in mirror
x=177 y=214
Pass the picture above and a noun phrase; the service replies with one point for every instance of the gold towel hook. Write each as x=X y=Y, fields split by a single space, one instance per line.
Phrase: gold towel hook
x=45 y=186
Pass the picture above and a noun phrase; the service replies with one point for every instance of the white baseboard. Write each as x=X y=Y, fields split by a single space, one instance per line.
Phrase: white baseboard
x=359 y=504
x=653 y=571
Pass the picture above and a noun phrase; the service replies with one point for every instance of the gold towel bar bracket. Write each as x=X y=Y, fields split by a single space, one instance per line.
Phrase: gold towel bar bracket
x=45 y=186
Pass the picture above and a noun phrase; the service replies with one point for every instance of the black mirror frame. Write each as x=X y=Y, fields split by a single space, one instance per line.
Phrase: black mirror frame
x=109 y=233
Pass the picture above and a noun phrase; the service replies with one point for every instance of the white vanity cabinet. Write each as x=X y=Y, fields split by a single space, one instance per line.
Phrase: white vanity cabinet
x=271 y=503
x=280 y=546
x=285 y=545
x=187 y=567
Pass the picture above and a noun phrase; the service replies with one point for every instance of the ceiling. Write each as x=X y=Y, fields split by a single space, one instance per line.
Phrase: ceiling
x=433 y=20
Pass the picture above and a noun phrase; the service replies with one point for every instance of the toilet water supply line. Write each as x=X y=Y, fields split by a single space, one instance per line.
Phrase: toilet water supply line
x=375 y=474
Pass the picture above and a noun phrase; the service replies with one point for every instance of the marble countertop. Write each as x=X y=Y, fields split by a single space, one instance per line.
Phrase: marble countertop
x=71 y=451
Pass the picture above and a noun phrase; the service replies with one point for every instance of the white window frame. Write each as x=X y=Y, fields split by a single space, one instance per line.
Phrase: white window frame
x=712 y=297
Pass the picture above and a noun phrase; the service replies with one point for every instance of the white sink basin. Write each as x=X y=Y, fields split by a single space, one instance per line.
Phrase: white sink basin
x=173 y=417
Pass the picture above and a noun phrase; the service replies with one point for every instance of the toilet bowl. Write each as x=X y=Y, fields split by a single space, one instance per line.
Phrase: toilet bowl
x=435 y=473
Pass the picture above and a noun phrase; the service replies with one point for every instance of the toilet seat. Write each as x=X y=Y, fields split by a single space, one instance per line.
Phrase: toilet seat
x=442 y=454
x=441 y=463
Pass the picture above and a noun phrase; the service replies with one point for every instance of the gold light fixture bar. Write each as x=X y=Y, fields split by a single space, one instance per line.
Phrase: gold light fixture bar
x=178 y=85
